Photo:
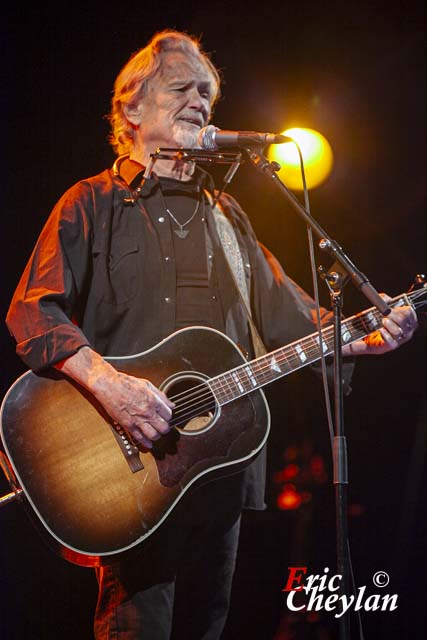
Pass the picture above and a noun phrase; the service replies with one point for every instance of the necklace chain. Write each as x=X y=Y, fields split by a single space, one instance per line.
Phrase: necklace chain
x=181 y=232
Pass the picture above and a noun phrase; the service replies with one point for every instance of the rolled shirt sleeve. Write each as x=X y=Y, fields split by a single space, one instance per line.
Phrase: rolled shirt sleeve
x=43 y=315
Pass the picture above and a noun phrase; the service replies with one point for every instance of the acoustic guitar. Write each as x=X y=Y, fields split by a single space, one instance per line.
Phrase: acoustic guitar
x=98 y=494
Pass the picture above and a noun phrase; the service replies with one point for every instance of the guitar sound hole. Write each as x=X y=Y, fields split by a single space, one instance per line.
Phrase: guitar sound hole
x=196 y=408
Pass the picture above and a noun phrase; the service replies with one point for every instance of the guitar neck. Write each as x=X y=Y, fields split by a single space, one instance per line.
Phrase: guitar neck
x=279 y=363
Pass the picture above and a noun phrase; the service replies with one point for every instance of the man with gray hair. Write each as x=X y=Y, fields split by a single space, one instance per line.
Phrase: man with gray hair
x=123 y=262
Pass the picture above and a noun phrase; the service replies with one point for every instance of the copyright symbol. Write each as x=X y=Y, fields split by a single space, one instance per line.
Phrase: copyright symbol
x=381 y=579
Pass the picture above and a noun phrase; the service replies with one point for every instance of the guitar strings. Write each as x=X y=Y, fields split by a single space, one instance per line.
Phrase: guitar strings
x=193 y=414
x=311 y=347
x=190 y=408
x=185 y=399
x=187 y=408
x=258 y=369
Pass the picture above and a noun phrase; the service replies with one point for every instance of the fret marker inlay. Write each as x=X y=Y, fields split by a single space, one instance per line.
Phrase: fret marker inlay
x=274 y=366
x=324 y=345
x=251 y=376
x=371 y=320
x=237 y=381
x=346 y=335
x=300 y=352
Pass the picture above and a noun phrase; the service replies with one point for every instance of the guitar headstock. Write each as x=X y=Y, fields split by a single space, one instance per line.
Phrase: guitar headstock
x=419 y=282
x=417 y=293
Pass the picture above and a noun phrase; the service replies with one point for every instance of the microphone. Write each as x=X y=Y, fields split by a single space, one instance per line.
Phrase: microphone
x=211 y=138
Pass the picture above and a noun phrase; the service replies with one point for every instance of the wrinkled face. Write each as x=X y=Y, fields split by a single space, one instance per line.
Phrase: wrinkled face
x=177 y=103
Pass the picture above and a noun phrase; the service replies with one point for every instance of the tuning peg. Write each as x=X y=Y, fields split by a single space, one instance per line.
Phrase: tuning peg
x=420 y=280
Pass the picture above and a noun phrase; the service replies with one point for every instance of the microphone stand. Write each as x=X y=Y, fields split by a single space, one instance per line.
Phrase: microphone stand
x=342 y=270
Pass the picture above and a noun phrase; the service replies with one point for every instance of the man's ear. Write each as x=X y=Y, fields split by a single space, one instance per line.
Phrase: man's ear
x=134 y=113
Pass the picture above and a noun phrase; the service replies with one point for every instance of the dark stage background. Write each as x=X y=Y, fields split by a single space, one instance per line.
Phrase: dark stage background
x=354 y=71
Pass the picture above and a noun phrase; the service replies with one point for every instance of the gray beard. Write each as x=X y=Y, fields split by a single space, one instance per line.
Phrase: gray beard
x=184 y=136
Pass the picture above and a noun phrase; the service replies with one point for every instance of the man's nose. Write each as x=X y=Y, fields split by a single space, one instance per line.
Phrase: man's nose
x=196 y=101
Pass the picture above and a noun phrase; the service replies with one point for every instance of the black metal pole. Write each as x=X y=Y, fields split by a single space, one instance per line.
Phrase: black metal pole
x=340 y=466
x=343 y=269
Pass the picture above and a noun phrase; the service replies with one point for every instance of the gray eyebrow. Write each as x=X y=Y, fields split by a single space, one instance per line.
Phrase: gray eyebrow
x=202 y=84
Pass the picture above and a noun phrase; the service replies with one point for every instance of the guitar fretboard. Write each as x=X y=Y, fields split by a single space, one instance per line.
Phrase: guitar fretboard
x=283 y=361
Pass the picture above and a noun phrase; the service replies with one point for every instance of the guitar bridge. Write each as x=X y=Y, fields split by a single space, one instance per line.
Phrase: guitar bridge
x=127 y=447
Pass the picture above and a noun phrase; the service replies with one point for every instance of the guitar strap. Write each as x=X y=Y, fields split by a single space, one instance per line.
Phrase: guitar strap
x=233 y=258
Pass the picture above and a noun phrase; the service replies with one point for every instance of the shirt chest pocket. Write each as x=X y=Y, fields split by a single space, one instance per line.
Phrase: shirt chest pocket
x=121 y=269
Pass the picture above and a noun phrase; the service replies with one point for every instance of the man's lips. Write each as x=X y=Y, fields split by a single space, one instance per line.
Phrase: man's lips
x=194 y=121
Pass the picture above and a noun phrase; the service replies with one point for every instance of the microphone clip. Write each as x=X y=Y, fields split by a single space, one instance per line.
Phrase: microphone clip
x=196 y=155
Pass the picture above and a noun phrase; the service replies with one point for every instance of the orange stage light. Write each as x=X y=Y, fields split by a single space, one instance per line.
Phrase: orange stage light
x=316 y=152
x=289 y=498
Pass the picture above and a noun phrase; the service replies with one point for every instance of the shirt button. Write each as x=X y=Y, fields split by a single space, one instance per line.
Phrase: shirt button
x=210 y=256
x=213 y=297
x=161 y=219
x=167 y=300
x=167 y=258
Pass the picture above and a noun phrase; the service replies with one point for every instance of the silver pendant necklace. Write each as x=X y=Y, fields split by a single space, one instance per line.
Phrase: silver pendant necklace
x=181 y=232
